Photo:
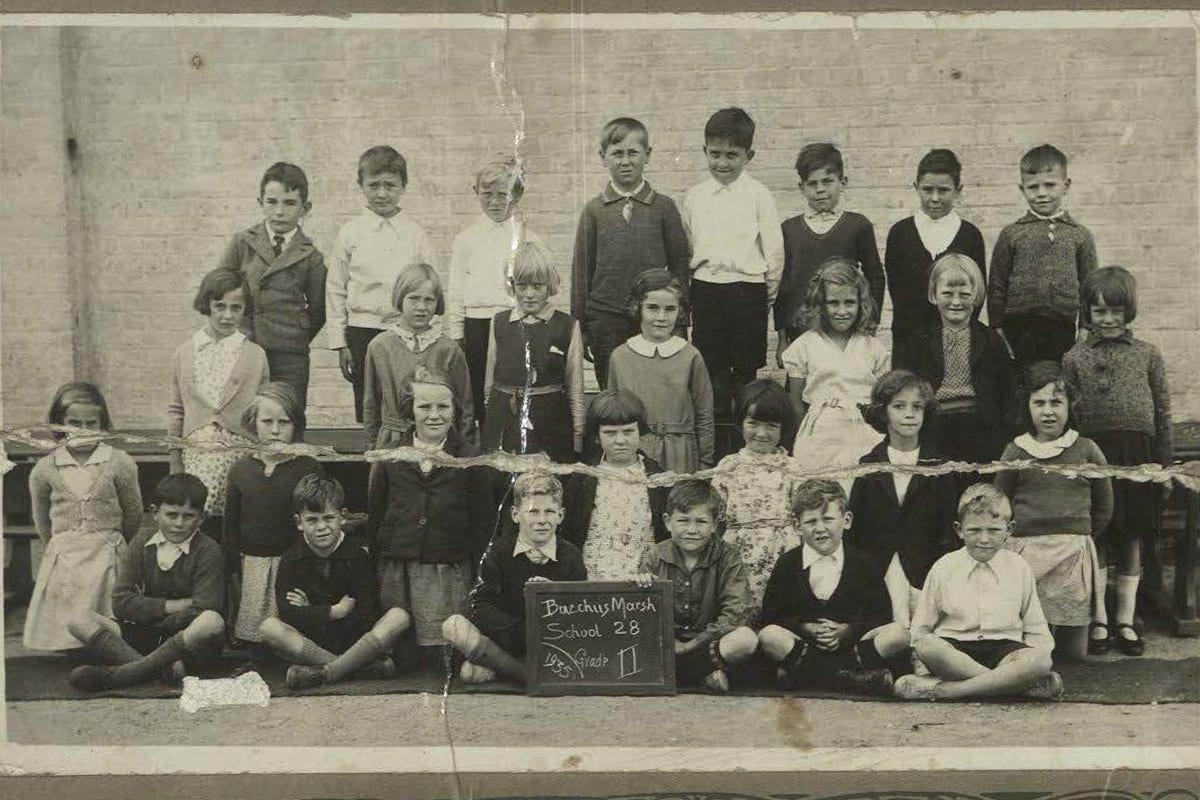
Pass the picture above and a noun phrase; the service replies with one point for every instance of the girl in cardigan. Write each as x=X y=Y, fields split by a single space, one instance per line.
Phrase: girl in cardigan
x=217 y=373
x=411 y=341
x=534 y=373
x=614 y=521
x=428 y=523
x=915 y=243
x=259 y=525
x=1056 y=516
x=1125 y=406
x=756 y=483
x=832 y=367
x=668 y=375
x=86 y=505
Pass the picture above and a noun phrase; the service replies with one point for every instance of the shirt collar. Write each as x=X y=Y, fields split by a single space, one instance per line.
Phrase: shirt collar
x=549 y=549
x=716 y=187
x=63 y=457
x=202 y=339
x=671 y=553
x=967 y=564
x=287 y=237
x=643 y=193
x=379 y=223
x=832 y=214
x=417 y=342
x=516 y=315
x=1095 y=340
x=923 y=220
x=1060 y=216
x=810 y=556
x=185 y=546
x=644 y=347
x=1046 y=449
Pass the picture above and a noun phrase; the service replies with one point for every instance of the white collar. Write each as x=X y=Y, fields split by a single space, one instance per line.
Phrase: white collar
x=715 y=186
x=810 y=556
x=908 y=457
x=1046 y=449
x=379 y=222
x=417 y=342
x=833 y=214
x=287 y=237
x=638 y=467
x=1050 y=218
x=516 y=315
x=63 y=457
x=549 y=549
x=331 y=551
x=185 y=546
x=634 y=193
x=950 y=220
x=644 y=347
x=202 y=340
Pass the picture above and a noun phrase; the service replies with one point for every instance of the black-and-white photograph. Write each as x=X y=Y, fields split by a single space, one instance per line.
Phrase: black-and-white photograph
x=493 y=386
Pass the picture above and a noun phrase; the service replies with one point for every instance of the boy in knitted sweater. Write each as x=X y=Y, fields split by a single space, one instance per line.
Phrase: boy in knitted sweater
x=1038 y=265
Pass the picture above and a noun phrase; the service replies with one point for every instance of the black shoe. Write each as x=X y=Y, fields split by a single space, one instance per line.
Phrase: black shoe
x=1098 y=646
x=864 y=681
x=1130 y=647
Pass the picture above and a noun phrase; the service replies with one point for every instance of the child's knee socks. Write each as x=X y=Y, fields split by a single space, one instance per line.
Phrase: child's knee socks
x=108 y=647
x=366 y=650
x=146 y=667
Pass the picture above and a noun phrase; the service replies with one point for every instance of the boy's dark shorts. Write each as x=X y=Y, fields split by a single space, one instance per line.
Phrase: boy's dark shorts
x=336 y=636
x=147 y=638
x=987 y=652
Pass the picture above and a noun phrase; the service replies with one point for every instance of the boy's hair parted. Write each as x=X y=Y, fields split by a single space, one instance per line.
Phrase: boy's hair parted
x=820 y=155
x=289 y=176
x=285 y=395
x=78 y=392
x=732 y=125
x=838 y=271
x=218 y=283
x=940 y=161
x=1113 y=285
x=536 y=484
x=503 y=170
x=816 y=493
x=615 y=407
x=1043 y=158
x=651 y=281
x=412 y=276
x=688 y=494
x=1037 y=375
x=382 y=158
x=533 y=263
x=180 y=489
x=984 y=498
x=317 y=491
x=617 y=130
x=972 y=275
x=885 y=390
x=765 y=400
x=430 y=377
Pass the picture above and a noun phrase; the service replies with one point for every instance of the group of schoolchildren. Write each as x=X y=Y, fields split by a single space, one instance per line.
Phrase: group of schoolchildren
x=856 y=585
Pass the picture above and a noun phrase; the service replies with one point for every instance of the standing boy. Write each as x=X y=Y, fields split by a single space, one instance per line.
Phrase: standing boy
x=286 y=275
x=733 y=226
x=369 y=254
x=822 y=232
x=978 y=625
x=628 y=229
x=1038 y=264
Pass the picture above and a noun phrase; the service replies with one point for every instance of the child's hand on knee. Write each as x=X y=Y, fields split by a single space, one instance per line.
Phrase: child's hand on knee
x=297 y=597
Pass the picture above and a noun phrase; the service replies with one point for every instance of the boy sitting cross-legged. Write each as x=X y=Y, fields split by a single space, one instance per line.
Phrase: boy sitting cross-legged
x=978 y=625
x=492 y=634
x=167 y=599
x=329 y=625
x=825 y=610
x=712 y=593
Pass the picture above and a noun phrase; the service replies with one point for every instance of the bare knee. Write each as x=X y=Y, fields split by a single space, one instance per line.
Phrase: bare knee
x=207 y=626
x=460 y=632
x=273 y=631
x=892 y=639
x=1034 y=659
x=776 y=641
x=84 y=624
x=928 y=645
x=738 y=645
x=392 y=624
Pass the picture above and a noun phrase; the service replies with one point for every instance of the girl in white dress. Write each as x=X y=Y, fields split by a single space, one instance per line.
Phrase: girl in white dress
x=832 y=367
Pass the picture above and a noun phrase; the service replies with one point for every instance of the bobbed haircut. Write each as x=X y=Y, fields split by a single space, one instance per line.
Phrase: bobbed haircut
x=317 y=491
x=765 y=400
x=411 y=278
x=1038 y=375
x=382 y=158
x=885 y=390
x=502 y=170
x=1043 y=158
x=732 y=125
x=947 y=264
x=1114 y=286
x=286 y=396
x=181 y=489
x=536 y=484
x=618 y=130
x=651 y=281
x=688 y=494
x=424 y=376
x=820 y=155
x=838 y=271
x=984 y=498
x=615 y=407
x=289 y=176
x=533 y=263
x=940 y=161
x=218 y=283
x=77 y=392
x=816 y=493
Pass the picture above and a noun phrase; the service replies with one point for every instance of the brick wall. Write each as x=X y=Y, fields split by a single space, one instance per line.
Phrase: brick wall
x=176 y=126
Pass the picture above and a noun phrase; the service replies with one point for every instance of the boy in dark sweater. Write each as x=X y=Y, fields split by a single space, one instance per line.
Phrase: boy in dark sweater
x=167 y=600
x=492 y=635
x=628 y=229
x=1038 y=264
x=826 y=615
x=820 y=233
x=329 y=624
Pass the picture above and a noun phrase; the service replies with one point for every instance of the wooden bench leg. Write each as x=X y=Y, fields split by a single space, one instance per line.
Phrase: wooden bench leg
x=1186 y=584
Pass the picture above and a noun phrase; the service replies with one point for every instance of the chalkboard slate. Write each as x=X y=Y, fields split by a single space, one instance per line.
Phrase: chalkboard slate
x=599 y=637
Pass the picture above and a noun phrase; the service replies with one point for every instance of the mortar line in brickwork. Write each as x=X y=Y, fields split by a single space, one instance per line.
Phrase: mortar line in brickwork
x=83 y=356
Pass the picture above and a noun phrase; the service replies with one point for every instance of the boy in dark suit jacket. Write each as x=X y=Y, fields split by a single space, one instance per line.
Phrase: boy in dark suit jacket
x=825 y=610
x=286 y=274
